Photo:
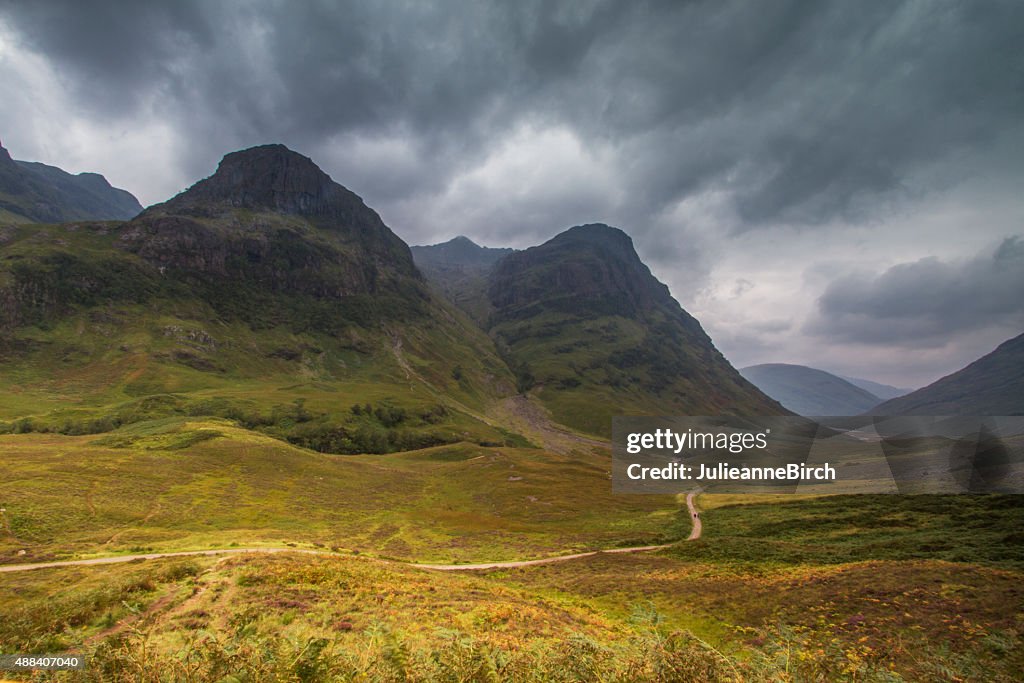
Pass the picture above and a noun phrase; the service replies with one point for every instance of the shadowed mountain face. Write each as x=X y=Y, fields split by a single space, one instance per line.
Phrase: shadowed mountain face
x=269 y=220
x=276 y=179
x=588 y=270
x=991 y=385
x=459 y=269
x=459 y=252
x=808 y=391
x=31 y=192
x=593 y=333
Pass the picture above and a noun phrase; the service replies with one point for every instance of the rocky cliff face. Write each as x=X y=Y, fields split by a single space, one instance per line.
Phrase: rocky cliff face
x=588 y=269
x=270 y=218
x=274 y=178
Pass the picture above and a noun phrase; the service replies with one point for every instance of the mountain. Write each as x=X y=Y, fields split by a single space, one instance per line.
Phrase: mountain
x=270 y=295
x=272 y=238
x=883 y=391
x=459 y=268
x=31 y=192
x=808 y=391
x=592 y=333
x=267 y=294
x=991 y=385
x=459 y=252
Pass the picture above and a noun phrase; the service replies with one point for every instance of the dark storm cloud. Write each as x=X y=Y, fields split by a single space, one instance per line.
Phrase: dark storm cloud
x=927 y=302
x=701 y=127
x=802 y=111
x=108 y=53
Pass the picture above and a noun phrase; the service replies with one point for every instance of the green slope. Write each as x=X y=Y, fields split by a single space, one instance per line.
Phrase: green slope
x=281 y=303
x=593 y=334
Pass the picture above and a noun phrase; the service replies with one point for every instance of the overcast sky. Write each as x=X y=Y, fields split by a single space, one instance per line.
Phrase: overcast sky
x=836 y=184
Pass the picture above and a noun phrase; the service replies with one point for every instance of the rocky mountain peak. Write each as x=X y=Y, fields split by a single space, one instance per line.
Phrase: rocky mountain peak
x=597 y=233
x=591 y=266
x=270 y=177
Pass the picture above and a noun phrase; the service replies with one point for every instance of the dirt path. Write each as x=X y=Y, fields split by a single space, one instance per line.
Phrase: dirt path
x=528 y=563
x=149 y=556
x=695 y=533
x=698 y=526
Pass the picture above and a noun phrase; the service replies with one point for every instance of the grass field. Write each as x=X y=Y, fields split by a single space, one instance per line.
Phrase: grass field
x=779 y=588
x=829 y=585
x=198 y=484
x=790 y=530
x=607 y=617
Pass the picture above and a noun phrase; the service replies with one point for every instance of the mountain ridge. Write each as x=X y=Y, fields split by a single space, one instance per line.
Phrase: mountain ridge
x=991 y=385
x=33 y=192
x=883 y=391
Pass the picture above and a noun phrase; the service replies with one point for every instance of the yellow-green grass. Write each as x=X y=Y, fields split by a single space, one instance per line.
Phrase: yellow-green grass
x=326 y=590
x=627 y=618
x=200 y=484
x=292 y=617
x=917 y=619
x=711 y=501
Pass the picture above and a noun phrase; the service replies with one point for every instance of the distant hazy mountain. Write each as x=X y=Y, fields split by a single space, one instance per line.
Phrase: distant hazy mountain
x=459 y=269
x=588 y=328
x=809 y=391
x=991 y=385
x=459 y=252
x=31 y=192
x=882 y=391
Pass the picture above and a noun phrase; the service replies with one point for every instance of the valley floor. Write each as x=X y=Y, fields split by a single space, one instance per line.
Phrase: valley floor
x=775 y=588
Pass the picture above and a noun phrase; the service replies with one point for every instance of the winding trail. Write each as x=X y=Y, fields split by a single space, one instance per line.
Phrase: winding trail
x=695 y=533
x=698 y=526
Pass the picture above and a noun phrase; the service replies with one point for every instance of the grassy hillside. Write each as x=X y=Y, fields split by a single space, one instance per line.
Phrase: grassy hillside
x=593 y=334
x=836 y=588
x=93 y=336
x=187 y=484
x=255 y=295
